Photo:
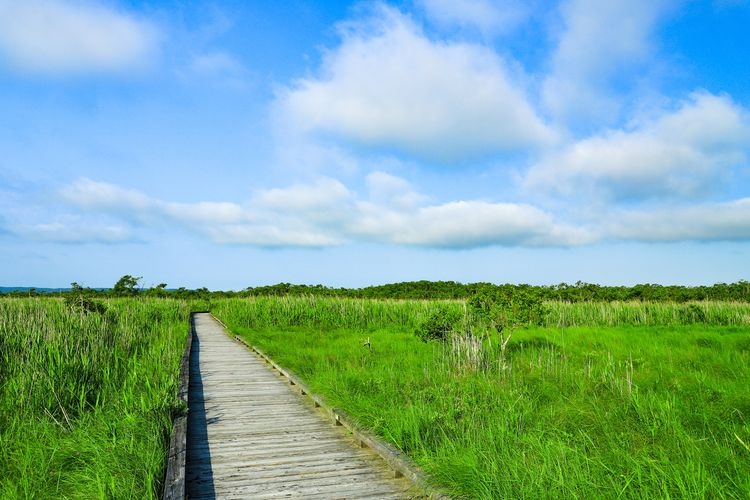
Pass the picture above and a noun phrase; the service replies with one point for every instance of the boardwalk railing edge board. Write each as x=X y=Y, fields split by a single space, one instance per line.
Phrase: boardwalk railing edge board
x=396 y=459
x=174 y=480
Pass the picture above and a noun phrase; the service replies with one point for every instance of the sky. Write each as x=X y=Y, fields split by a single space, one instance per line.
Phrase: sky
x=233 y=143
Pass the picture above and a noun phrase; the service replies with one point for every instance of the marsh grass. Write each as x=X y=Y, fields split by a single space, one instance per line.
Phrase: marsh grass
x=86 y=397
x=618 y=313
x=600 y=411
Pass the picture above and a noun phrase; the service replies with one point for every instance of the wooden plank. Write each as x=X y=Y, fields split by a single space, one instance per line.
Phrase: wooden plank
x=251 y=435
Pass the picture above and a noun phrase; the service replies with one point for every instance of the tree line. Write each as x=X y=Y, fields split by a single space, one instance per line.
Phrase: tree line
x=578 y=292
x=129 y=286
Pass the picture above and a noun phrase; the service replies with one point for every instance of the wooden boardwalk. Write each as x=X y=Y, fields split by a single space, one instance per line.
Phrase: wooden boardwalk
x=250 y=436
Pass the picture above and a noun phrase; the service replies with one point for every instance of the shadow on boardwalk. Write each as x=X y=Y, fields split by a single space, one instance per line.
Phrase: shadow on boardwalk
x=197 y=431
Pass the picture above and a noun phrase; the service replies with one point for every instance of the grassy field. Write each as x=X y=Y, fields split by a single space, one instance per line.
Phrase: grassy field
x=86 y=398
x=632 y=400
x=609 y=408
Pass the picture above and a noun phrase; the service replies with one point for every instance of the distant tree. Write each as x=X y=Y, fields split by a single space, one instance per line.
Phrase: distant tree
x=158 y=290
x=127 y=286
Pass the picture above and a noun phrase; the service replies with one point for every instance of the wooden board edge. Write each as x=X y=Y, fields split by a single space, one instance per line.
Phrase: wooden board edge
x=174 y=479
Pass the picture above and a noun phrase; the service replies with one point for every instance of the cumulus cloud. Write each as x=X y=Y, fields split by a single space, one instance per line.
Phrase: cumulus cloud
x=387 y=85
x=325 y=213
x=728 y=221
x=103 y=197
x=681 y=153
x=466 y=224
x=263 y=222
x=266 y=221
x=66 y=36
x=600 y=43
x=489 y=16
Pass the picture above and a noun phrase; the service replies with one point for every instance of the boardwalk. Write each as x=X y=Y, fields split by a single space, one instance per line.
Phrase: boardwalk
x=250 y=436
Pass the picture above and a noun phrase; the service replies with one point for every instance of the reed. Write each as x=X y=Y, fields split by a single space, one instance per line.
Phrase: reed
x=562 y=314
x=86 y=398
x=330 y=312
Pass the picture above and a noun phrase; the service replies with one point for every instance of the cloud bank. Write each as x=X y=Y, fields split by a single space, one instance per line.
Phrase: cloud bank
x=326 y=213
x=68 y=37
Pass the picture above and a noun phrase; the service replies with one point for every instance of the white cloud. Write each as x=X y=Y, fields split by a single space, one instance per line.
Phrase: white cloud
x=322 y=194
x=489 y=16
x=466 y=224
x=728 y=221
x=325 y=212
x=387 y=85
x=271 y=236
x=209 y=212
x=75 y=232
x=602 y=42
x=266 y=221
x=344 y=218
x=682 y=153
x=101 y=195
x=66 y=36
x=460 y=224
x=392 y=191
x=108 y=198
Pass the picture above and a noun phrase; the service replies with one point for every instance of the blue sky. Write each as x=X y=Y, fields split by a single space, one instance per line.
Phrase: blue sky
x=238 y=143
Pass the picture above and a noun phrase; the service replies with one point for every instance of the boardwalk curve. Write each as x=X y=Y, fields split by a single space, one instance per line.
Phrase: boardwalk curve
x=250 y=436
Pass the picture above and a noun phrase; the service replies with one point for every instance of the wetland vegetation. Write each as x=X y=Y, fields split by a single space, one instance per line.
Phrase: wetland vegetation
x=637 y=400
x=510 y=391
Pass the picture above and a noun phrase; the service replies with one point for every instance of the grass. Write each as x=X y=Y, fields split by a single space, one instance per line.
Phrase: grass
x=86 y=399
x=632 y=313
x=611 y=409
x=613 y=400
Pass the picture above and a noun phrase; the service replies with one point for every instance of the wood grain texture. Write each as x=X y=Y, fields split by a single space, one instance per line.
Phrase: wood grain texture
x=251 y=436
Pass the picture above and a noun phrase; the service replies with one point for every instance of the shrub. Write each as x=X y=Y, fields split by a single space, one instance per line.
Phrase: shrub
x=78 y=299
x=438 y=326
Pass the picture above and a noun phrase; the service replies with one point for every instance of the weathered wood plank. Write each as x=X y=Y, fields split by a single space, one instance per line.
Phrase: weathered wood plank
x=250 y=435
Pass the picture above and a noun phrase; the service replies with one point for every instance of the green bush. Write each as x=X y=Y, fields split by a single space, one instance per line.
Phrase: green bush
x=438 y=326
x=508 y=307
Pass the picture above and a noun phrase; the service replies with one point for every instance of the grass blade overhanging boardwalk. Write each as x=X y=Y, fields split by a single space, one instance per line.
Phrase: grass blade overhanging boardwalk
x=174 y=481
x=249 y=435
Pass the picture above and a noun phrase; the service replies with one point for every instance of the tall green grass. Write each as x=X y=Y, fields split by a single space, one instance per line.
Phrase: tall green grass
x=624 y=411
x=86 y=399
x=328 y=312
x=363 y=314
x=646 y=313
